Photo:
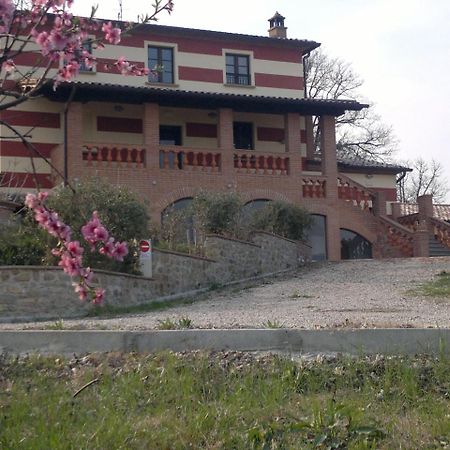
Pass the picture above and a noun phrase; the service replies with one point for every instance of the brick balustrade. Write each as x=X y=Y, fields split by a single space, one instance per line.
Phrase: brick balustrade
x=110 y=155
x=359 y=195
x=314 y=186
x=183 y=158
x=252 y=162
x=411 y=221
x=398 y=236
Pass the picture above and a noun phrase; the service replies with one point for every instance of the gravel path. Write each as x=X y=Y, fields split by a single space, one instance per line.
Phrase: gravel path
x=364 y=293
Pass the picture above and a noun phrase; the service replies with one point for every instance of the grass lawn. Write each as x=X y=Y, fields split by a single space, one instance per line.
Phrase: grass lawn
x=224 y=401
x=438 y=287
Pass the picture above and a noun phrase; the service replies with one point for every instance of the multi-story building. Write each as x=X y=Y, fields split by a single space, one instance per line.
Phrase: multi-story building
x=221 y=112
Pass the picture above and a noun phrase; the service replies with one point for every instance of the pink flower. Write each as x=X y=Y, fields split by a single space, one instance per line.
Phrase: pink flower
x=101 y=234
x=6 y=15
x=81 y=290
x=68 y=72
x=99 y=294
x=31 y=201
x=112 y=35
x=8 y=66
x=108 y=248
x=120 y=251
x=75 y=248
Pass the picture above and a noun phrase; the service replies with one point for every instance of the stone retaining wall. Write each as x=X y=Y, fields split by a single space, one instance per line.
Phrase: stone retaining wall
x=35 y=292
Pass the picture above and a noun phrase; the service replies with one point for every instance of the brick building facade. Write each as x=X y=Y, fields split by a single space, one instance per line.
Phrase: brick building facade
x=222 y=112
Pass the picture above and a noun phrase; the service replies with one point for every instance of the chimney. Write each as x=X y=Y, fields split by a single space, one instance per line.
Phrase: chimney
x=277 y=28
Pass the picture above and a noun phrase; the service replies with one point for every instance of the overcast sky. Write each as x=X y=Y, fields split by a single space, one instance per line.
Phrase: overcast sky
x=401 y=48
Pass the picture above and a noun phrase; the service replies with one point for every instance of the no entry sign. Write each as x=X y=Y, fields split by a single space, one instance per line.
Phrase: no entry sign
x=145 y=257
x=145 y=246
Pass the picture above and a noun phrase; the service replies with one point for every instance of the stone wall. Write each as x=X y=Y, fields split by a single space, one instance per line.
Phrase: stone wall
x=32 y=292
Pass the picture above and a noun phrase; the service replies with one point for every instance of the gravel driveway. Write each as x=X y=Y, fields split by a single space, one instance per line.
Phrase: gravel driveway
x=364 y=293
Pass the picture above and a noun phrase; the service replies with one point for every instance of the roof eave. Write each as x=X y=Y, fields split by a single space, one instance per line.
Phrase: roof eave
x=206 y=100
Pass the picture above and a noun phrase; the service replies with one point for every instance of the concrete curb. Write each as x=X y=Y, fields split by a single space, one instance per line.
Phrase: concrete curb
x=354 y=342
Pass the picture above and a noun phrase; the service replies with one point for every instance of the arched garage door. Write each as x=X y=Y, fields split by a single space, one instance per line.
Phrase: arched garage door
x=354 y=246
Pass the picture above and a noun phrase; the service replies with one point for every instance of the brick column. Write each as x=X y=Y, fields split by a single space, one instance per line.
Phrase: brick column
x=74 y=141
x=379 y=206
x=292 y=142
x=425 y=206
x=329 y=169
x=151 y=134
x=226 y=142
x=421 y=245
x=396 y=210
x=310 y=149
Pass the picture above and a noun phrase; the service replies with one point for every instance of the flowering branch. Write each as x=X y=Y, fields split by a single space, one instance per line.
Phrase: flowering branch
x=71 y=252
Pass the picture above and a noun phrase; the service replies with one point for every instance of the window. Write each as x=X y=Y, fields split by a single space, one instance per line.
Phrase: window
x=243 y=135
x=87 y=45
x=238 y=69
x=160 y=62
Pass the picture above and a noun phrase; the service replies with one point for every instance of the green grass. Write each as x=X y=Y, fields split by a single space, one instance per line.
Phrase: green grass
x=438 y=287
x=223 y=401
x=111 y=311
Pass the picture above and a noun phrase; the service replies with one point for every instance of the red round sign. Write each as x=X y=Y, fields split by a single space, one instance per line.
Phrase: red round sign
x=144 y=246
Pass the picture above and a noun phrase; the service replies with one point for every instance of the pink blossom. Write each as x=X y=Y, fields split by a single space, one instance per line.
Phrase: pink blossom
x=31 y=201
x=100 y=233
x=6 y=15
x=99 y=294
x=108 y=248
x=81 y=290
x=75 y=248
x=112 y=35
x=120 y=251
x=8 y=66
x=69 y=71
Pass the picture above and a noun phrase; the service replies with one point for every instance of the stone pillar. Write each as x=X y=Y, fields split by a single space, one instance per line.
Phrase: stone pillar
x=379 y=206
x=425 y=206
x=421 y=245
x=226 y=143
x=396 y=210
x=329 y=169
x=151 y=135
x=74 y=141
x=310 y=148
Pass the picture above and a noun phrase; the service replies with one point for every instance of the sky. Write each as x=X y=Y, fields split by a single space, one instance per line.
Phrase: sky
x=400 y=48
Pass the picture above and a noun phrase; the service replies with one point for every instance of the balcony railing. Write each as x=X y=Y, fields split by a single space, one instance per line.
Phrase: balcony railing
x=181 y=158
x=359 y=195
x=110 y=155
x=261 y=164
x=314 y=186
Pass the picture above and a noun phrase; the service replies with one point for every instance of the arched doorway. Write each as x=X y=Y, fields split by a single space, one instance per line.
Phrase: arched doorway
x=175 y=226
x=354 y=246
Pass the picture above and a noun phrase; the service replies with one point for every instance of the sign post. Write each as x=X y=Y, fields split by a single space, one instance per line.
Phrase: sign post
x=145 y=257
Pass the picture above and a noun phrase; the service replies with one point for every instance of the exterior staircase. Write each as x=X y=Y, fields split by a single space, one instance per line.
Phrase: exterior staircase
x=438 y=249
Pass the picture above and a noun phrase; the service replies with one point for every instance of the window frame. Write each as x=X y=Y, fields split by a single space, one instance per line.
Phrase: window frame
x=235 y=74
x=159 y=60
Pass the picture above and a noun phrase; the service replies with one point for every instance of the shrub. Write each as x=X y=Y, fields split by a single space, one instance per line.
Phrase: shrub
x=218 y=213
x=123 y=215
x=23 y=245
x=120 y=211
x=282 y=218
